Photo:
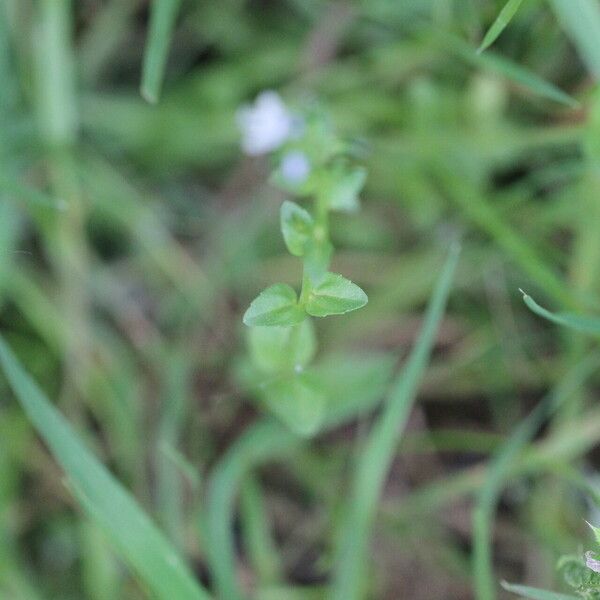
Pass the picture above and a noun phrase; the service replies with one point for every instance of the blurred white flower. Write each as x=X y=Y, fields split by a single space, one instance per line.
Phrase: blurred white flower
x=592 y=562
x=265 y=125
x=295 y=167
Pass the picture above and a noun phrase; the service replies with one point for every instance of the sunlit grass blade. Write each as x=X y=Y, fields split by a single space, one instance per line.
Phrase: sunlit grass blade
x=109 y=505
x=162 y=20
x=499 y=471
x=498 y=26
x=589 y=325
x=375 y=459
x=581 y=19
x=534 y=593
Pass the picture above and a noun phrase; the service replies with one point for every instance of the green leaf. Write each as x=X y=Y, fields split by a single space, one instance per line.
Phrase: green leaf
x=277 y=305
x=298 y=401
x=103 y=498
x=297 y=227
x=342 y=188
x=275 y=349
x=535 y=593
x=334 y=295
x=498 y=26
x=589 y=325
x=162 y=21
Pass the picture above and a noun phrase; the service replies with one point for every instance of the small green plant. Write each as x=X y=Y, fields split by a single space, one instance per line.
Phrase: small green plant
x=310 y=161
x=581 y=574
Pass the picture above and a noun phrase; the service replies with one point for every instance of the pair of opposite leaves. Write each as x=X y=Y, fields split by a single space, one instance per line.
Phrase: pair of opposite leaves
x=333 y=294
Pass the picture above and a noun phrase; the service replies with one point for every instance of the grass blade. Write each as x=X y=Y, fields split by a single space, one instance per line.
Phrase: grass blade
x=499 y=471
x=498 y=26
x=264 y=440
x=258 y=539
x=108 y=504
x=534 y=593
x=162 y=21
x=506 y=68
x=169 y=483
x=581 y=19
x=589 y=325
x=374 y=461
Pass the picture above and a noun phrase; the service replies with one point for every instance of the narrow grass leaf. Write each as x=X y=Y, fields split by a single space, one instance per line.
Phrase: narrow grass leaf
x=498 y=26
x=258 y=538
x=375 y=459
x=535 y=593
x=512 y=71
x=262 y=441
x=581 y=20
x=55 y=70
x=162 y=21
x=589 y=325
x=500 y=469
x=110 y=506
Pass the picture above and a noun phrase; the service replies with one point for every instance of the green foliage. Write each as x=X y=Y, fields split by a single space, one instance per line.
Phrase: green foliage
x=577 y=575
x=297 y=400
x=588 y=325
x=129 y=232
x=105 y=501
x=275 y=306
x=162 y=22
x=375 y=458
x=502 y=20
x=334 y=295
x=297 y=227
x=277 y=349
x=499 y=468
x=341 y=187
x=306 y=163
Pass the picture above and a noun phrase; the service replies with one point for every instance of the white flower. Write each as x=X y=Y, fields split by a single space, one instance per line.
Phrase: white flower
x=266 y=125
x=591 y=562
x=295 y=167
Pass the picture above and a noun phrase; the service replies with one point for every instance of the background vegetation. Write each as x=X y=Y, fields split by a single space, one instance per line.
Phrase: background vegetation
x=134 y=234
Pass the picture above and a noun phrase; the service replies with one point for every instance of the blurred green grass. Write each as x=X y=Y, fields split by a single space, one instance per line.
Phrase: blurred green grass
x=132 y=237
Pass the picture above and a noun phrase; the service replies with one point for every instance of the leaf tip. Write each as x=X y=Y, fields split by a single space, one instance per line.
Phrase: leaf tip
x=148 y=95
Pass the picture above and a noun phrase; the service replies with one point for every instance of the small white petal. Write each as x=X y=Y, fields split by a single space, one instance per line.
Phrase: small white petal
x=295 y=167
x=266 y=125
